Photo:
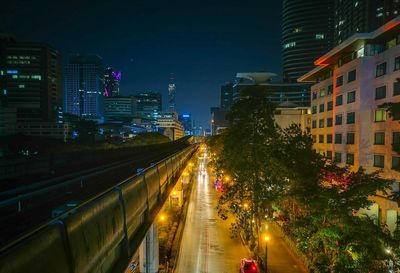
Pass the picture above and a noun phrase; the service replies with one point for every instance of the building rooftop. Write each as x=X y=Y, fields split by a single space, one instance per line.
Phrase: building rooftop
x=351 y=44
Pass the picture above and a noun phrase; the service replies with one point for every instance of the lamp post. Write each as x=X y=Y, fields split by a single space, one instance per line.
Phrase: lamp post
x=266 y=239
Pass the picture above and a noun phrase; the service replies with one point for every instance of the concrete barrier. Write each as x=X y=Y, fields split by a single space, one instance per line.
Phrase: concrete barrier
x=135 y=197
x=44 y=252
x=153 y=186
x=95 y=233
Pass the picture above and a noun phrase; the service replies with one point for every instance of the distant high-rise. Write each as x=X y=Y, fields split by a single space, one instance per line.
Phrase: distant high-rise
x=148 y=103
x=112 y=78
x=307 y=28
x=84 y=85
x=171 y=95
x=30 y=81
x=226 y=96
x=362 y=16
x=186 y=120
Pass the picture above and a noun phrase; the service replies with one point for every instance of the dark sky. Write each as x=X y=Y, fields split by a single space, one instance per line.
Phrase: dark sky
x=204 y=43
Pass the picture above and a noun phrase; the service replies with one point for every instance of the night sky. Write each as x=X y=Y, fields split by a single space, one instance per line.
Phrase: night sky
x=204 y=43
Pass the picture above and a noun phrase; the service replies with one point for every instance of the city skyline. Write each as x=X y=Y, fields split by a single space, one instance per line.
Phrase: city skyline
x=151 y=40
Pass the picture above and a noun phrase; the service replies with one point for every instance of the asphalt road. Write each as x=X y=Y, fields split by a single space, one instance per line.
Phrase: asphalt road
x=206 y=244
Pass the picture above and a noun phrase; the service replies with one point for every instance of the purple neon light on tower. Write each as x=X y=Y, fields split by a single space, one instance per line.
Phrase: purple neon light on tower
x=112 y=78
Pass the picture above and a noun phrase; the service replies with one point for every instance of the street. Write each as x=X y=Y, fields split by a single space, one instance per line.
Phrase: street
x=206 y=244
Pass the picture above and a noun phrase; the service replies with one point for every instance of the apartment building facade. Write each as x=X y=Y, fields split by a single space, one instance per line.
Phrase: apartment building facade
x=350 y=123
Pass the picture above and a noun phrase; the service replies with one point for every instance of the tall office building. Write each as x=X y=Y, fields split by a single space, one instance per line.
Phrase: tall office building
x=362 y=16
x=148 y=104
x=112 y=78
x=186 y=120
x=171 y=95
x=84 y=85
x=306 y=34
x=30 y=81
x=226 y=96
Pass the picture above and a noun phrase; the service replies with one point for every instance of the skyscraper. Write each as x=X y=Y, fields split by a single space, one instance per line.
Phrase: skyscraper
x=30 y=81
x=112 y=78
x=362 y=16
x=171 y=95
x=186 y=120
x=226 y=96
x=84 y=85
x=307 y=28
x=148 y=104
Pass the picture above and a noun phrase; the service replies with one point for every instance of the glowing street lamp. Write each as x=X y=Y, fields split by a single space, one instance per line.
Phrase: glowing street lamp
x=227 y=178
x=163 y=218
x=266 y=239
x=246 y=206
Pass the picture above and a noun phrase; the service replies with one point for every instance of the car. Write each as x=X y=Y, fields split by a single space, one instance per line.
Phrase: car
x=248 y=266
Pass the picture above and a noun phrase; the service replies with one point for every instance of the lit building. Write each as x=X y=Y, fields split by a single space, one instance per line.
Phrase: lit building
x=118 y=108
x=171 y=96
x=219 y=121
x=307 y=28
x=226 y=96
x=112 y=78
x=148 y=104
x=285 y=117
x=30 y=81
x=349 y=123
x=84 y=86
x=167 y=123
x=362 y=16
x=278 y=92
x=186 y=120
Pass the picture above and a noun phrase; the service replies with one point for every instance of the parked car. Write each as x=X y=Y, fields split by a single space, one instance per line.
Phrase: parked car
x=248 y=266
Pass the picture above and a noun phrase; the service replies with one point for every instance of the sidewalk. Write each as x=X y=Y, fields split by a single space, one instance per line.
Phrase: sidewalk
x=280 y=257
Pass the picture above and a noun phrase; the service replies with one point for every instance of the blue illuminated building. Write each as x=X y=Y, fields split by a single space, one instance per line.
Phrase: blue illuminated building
x=186 y=120
x=83 y=95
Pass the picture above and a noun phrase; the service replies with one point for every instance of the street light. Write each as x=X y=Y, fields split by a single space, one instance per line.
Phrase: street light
x=246 y=206
x=266 y=239
x=227 y=178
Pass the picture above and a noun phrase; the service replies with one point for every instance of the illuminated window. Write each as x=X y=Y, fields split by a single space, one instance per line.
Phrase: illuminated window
x=322 y=93
x=21 y=86
x=288 y=45
x=380 y=115
x=319 y=36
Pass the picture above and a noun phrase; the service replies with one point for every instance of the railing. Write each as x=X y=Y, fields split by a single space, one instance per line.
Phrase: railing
x=101 y=233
